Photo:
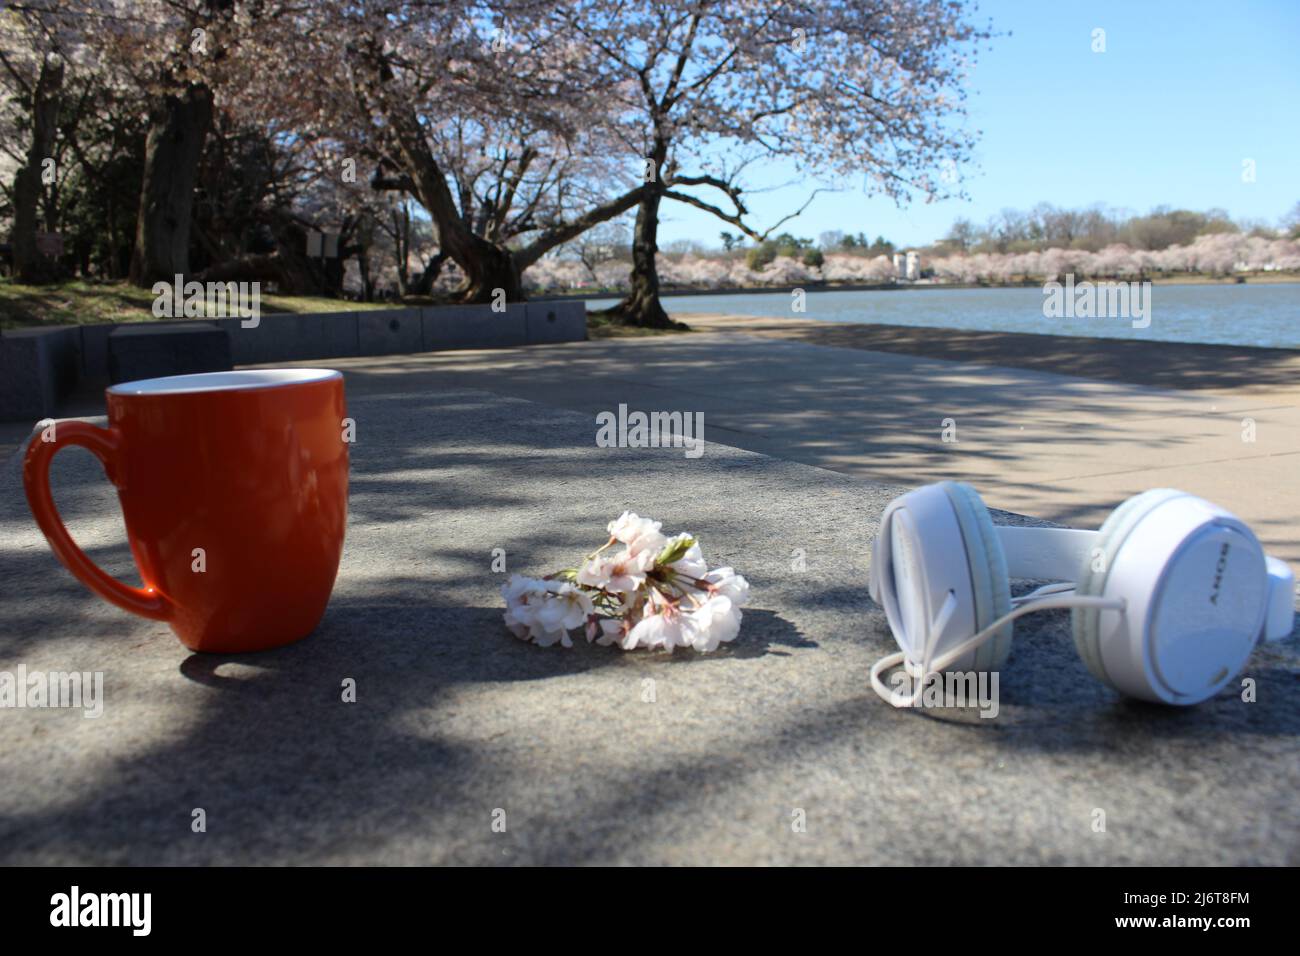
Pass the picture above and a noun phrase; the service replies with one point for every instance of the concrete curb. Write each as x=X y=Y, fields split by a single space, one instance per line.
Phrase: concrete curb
x=141 y=350
x=39 y=367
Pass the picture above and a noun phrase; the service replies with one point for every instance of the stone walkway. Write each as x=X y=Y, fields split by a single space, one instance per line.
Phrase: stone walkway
x=772 y=751
x=1064 y=448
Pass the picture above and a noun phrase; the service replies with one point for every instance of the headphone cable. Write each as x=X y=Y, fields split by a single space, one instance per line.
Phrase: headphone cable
x=946 y=660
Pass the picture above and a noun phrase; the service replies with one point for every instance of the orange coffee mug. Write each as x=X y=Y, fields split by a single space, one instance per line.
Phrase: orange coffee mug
x=234 y=490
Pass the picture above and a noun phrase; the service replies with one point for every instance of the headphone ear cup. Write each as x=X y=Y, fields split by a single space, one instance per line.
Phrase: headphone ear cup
x=990 y=582
x=1084 y=622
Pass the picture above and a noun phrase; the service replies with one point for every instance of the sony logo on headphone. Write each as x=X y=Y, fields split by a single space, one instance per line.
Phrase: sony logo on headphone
x=1218 y=572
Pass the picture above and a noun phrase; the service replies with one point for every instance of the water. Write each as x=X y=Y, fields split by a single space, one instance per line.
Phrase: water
x=1260 y=315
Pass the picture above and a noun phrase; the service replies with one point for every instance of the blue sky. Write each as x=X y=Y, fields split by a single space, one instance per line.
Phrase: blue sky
x=1183 y=94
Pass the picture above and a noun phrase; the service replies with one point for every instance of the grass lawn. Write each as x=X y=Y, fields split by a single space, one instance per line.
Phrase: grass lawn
x=82 y=303
x=600 y=327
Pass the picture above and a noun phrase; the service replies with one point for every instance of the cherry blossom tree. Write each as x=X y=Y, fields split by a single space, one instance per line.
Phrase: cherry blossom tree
x=1218 y=253
x=496 y=134
x=844 y=88
x=173 y=73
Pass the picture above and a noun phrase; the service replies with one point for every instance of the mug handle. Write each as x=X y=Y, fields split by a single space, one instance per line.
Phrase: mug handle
x=105 y=444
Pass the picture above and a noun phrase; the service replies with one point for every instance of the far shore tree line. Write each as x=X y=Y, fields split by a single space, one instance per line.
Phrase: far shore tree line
x=454 y=145
x=1042 y=244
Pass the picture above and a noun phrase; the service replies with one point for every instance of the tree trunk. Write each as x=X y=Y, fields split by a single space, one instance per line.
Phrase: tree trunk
x=487 y=266
x=29 y=264
x=367 y=281
x=642 y=307
x=177 y=127
x=423 y=283
x=402 y=241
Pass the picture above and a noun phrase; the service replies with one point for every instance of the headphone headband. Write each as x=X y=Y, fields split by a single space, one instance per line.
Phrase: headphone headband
x=1281 y=599
x=1054 y=554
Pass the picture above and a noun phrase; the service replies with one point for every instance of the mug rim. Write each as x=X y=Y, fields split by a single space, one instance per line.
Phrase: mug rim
x=231 y=381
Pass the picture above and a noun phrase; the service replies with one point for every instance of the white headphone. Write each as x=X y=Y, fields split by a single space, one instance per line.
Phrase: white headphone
x=1169 y=598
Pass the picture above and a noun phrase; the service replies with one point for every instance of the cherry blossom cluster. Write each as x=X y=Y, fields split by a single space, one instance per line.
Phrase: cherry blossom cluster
x=1217 y=253
x=640 y=589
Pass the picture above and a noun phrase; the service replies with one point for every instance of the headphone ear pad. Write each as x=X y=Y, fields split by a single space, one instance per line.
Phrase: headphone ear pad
x=990 y=582
x=1092 y=576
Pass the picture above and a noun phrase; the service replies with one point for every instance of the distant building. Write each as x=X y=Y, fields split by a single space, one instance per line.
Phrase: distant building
x=907 y=266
